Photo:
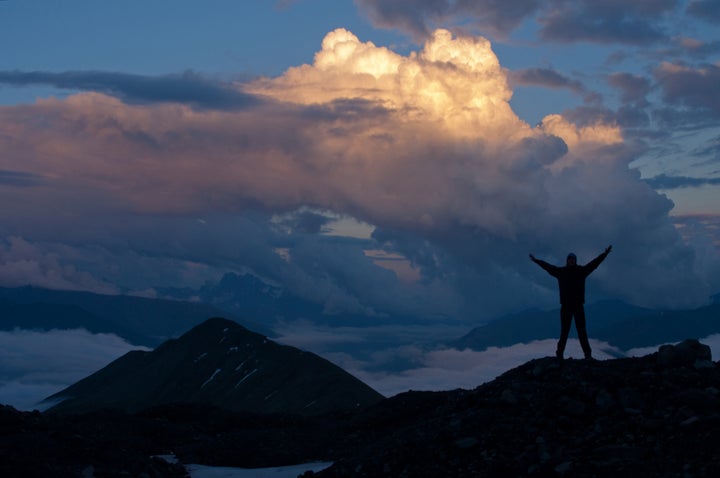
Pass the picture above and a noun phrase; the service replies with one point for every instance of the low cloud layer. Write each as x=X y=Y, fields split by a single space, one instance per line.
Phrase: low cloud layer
x=36 y=364
x=448 y=369
x=425 y=147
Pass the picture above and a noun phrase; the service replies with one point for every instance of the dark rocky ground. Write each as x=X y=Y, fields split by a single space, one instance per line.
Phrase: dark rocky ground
x=654 y=416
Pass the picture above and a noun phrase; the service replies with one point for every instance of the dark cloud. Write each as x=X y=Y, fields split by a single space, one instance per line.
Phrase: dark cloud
x=708 y=10
x=663 y=181
x=702 y=231
x=710 y=148
x=632 y=119
x=633 y=88
x=19 y=178
x=690 y=47
x=695 y=88
x=418 y=17
x=411 y=16
x=188 y=87
x=634 y=23
x=306 y=222
x=546 y=77
x=497 y=16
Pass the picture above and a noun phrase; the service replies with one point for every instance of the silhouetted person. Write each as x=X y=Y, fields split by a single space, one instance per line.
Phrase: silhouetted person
x=571 y=281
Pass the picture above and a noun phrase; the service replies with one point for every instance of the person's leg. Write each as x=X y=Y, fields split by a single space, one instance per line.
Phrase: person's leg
x=581 y=326
x=565 y=322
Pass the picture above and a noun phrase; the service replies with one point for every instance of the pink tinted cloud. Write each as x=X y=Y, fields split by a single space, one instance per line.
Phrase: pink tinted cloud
x=425 y=143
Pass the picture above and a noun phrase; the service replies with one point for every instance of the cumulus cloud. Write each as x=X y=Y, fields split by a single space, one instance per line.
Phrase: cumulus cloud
x=424 y=146
x=34 y=365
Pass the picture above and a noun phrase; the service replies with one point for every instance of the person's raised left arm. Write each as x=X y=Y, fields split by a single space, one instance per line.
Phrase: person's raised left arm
x=593 y=264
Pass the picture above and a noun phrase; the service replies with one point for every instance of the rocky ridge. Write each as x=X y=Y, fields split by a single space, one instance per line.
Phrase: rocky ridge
x=657 y=415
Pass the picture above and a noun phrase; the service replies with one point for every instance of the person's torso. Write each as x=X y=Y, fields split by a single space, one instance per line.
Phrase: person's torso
x=571 y=281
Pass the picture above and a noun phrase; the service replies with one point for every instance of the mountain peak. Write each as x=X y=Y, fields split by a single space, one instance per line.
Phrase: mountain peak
x=221 y=363
x=219 y=327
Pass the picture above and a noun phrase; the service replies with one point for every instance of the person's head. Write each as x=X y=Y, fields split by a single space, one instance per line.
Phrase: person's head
x=571 y=259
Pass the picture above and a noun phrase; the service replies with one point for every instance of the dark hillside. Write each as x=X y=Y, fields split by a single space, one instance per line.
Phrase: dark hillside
x=654 y=416
x=219 y=362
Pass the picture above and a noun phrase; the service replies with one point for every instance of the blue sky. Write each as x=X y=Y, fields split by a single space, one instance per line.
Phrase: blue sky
x=156 y=144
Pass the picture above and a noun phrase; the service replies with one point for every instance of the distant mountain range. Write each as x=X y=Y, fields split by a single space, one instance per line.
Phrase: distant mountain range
x=622 y=325
x=219 y=363
x=138 y=320
x=259 y=306
x=247 y=295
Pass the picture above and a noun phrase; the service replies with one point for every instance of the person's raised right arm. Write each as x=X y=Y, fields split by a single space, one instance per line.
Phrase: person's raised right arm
x=549 y=268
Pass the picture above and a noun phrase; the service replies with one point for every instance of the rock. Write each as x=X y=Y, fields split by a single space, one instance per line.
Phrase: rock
x=509 y=397
x=465 y=443
x=686 y=353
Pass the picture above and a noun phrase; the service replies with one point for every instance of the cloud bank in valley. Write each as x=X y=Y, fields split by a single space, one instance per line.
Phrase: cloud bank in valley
x=447 y=369
x=37 y=364
x=424 y=146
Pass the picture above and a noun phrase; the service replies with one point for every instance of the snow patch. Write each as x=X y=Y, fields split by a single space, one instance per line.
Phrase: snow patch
x=203 y=471
x=211 y=378
x=245 y=378
x=267 y=397
x=200 y=357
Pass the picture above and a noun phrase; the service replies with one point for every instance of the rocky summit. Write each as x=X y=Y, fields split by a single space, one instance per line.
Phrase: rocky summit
x=652 y=416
